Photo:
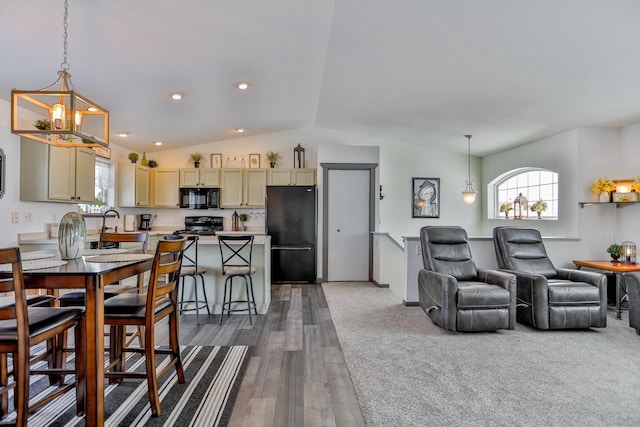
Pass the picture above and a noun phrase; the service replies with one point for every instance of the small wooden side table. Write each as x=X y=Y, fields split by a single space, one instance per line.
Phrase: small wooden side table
x=619 y=268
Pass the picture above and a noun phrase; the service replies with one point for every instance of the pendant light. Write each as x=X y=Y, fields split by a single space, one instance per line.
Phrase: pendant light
x=469 y=194
x=58 y=114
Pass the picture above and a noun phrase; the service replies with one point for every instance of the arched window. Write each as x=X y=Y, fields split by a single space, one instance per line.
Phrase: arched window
x=534 y=184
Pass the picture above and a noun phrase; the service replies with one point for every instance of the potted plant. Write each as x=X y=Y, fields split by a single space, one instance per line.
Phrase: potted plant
x=539 y=207
x=195 y=158
x=152 y=163
x=615 y=250
x=133 y=157
x=506 y=207
x=603 y=187
x=243 y=219
x=273 y=158
x=42 y=124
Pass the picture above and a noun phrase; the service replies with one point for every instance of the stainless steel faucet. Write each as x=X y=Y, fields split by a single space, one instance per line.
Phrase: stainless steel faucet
x=104 y=219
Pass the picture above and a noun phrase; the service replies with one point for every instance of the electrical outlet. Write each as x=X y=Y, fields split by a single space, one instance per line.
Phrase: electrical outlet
x=419 y=250
x=15 y=217
x=27 y=217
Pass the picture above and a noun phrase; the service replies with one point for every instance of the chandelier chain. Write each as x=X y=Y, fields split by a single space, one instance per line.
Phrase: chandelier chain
x=65 y=64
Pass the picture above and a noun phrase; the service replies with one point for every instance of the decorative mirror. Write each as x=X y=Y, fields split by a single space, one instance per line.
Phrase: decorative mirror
x=2 y=180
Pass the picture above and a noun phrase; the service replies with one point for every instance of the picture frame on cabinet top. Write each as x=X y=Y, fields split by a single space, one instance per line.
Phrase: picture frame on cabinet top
x=216 y=160
x=254 y=161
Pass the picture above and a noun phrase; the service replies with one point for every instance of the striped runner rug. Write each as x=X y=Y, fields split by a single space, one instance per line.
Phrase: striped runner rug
x=213 y=374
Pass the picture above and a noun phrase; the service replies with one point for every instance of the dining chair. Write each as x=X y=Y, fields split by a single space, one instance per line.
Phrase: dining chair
x=22 y=327
x=159 y=301
x=235 y=254
x=76 y=298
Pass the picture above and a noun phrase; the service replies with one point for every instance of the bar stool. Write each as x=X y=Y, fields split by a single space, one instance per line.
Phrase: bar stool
x=235 y=253
x=190 y=268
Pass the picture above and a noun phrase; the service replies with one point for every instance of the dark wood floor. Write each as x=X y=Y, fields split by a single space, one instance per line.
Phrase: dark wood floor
x=297 y=375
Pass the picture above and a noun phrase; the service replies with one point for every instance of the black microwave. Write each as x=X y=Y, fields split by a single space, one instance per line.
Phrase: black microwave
x=199 y=198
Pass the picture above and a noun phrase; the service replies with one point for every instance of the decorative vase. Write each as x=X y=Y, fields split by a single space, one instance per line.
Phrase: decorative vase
x=506 y=214
x=242 y=226
x=196 y=164
x=144 y=162
x=615 y=257
x=539 y=215
x=605 y=197
x=272 y=164
x=71 y=235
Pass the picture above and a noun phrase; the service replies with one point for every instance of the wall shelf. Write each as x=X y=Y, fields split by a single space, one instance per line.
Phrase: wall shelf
x=618 y=204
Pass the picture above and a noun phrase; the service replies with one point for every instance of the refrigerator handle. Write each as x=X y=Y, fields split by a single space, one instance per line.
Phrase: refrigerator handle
x=290 y=248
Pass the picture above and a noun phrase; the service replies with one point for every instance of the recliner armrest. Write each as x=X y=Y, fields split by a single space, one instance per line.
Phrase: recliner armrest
x=590 y=277
x=440 y=280
x=499 y=278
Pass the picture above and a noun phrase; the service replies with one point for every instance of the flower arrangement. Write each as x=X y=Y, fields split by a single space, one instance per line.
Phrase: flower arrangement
x=273 y=158
x=539 y=206
x=133 y=157
x=635 y=186
x=506 y=207
x=152 y=163
x=603 y=185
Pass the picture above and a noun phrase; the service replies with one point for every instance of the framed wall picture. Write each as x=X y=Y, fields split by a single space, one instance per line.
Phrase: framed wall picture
x=426 y=197
x=216 y=160
x=254 y=160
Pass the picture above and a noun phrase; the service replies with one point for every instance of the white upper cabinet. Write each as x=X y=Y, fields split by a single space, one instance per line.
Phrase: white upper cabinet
x=165 y=187
x=56 y=174
x=133 y=185
x=199 y=177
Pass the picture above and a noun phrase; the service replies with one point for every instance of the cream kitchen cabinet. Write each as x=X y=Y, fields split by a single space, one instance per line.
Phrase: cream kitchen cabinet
x=165 y=187
x=133 y=185
x=291 y=176
x=56 y=174
x=242 y=187
x=199 y=177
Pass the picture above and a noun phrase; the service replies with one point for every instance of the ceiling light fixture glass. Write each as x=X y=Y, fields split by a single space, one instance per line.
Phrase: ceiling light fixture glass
x=242 y=85
x=239 y=130
x=123 y=134
x=176 y=96
x=469 y=194
x=59 y=116
x=157 y=142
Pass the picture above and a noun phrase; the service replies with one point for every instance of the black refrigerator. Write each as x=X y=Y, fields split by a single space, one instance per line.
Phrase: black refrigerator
x=291 y=223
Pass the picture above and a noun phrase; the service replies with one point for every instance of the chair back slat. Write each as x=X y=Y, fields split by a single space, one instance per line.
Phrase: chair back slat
x=124 y=238
x=18 y=310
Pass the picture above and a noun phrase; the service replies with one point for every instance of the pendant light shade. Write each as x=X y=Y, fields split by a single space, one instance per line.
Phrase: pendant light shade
x=469 y=194
x=58 y=114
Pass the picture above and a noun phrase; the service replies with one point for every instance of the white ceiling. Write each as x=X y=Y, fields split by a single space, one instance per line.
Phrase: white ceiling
x=416 y=71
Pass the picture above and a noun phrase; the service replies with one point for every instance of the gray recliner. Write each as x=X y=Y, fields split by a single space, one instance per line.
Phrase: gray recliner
x=632 y=283
x=549 y=297
x=456 y=295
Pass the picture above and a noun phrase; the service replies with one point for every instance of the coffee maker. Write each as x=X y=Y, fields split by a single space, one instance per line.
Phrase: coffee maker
x=145 y=222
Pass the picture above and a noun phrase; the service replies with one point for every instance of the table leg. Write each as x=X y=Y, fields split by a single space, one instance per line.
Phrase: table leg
x=94 y=352
x=618 y=306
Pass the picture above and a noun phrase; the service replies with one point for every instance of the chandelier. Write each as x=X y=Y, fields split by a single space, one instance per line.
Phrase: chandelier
x=469 y=194
x=58 y=114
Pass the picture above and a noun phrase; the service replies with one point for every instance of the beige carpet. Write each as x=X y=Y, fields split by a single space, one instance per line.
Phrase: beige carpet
x=408 y=372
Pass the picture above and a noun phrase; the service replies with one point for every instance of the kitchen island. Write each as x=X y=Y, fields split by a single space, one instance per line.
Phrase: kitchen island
x=209 y=258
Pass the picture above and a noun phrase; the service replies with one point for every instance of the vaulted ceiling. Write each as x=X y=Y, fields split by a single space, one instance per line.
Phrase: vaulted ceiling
x=415 y=71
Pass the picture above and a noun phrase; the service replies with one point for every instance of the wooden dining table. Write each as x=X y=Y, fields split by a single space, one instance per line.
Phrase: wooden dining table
x=92 y=276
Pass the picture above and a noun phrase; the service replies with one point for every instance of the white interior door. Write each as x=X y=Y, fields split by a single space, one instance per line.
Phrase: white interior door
x=348 y=226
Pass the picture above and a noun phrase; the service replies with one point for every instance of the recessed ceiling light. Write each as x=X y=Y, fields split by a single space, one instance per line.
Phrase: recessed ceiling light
x=176 y=96
x=242 y=85
x=157 y=142
x=239 y=130
x=94 y=109
x=123 y=134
